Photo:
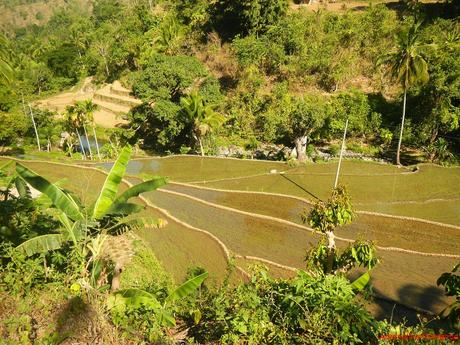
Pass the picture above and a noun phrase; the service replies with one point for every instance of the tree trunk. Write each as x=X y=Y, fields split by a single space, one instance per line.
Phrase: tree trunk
x=116 y=277
x=434 y=135
x=97 y=144
x=398 y=152
x=330 y=251
x=201 y=147
x=106 y=67
x=81 y=144
x=87 y=142
x=301 y=148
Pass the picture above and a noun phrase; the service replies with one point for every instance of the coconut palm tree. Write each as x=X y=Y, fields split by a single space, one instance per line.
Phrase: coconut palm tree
x=89 y=109
x=201 y=116
x=408 y=67
x=81 y=108
x=74 y=122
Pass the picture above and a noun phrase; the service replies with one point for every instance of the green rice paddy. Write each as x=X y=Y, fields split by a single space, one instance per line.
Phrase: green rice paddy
x=385 y=231
x=176 y=246
x=432 y=193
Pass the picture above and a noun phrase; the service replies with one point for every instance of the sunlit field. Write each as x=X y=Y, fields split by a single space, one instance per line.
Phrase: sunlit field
x=268 y=227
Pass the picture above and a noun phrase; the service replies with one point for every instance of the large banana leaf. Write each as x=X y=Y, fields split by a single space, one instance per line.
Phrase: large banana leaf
x=60 y=199
x=143 y=187
x=187 y=288
x=125 y=208
x=41 y=244
x=4 y=167
x=120 y=204
x=165 y=318
x=111 y=184
x=360 y=283
x=136 y=298
x=22 y=188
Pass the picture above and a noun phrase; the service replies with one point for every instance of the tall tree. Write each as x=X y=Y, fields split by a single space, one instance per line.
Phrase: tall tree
x=74 y=121
x=90 y=108
x=306 y=117
x=201 y=116
x=408 y=67
x=82 y=108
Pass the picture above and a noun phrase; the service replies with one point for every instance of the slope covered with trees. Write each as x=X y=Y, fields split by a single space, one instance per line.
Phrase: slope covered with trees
x=272 y=65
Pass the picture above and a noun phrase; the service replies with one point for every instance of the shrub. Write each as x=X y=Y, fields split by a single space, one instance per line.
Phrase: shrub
x=305 y=310
x=368 y=150
x=334 y=150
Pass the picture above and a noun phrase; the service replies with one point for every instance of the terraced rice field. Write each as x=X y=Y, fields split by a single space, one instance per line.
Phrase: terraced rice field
x=176 y=246
x=431 y=193
x=223 y=209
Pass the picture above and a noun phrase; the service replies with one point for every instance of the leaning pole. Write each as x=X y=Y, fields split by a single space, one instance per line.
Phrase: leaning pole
x=33 y=120
x=341 y=155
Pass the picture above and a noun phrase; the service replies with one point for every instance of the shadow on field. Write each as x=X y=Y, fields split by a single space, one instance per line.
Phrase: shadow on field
x=300 y=187
x=11 y=151
x=74 y=320
x=428 y=298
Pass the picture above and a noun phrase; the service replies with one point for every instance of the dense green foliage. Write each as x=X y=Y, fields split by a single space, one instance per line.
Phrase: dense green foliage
x=304 y=310
x=256 y=61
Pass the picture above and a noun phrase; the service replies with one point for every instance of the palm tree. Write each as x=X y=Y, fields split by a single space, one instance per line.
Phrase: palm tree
x=201 y=116
x=89 y=109
x=408 y=67
x=74 y=121
x=82 y=113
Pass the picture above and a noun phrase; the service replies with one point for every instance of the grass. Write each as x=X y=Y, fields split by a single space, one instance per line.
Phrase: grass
x=447 y=211
x=411 y=279
x=366 y=186
x=244 y=235
x=404 y=277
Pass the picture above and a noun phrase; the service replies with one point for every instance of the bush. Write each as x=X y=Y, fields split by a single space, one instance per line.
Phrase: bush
x=334 y=150
x=367 y=150
x=305 y=310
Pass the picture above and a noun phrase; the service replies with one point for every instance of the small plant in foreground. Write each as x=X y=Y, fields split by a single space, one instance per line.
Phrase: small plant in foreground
x=325 y=217
x=451 y=283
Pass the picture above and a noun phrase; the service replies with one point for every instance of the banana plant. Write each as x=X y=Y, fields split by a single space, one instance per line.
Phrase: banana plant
x=9 y=181
x=137 y=298
x=109 y=214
